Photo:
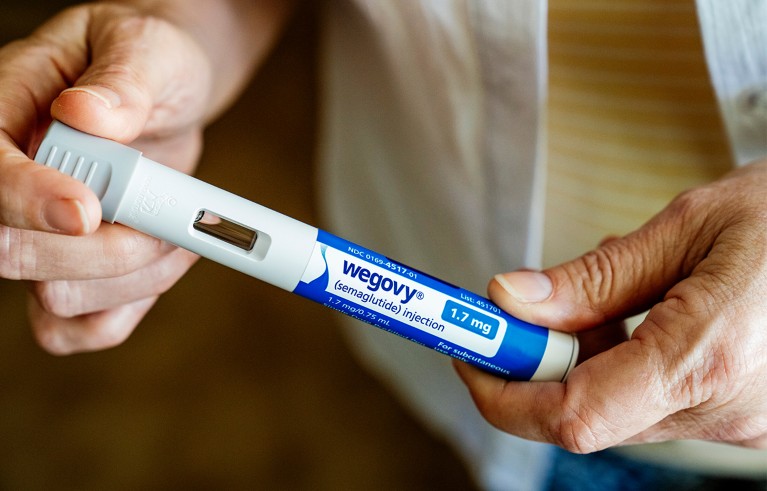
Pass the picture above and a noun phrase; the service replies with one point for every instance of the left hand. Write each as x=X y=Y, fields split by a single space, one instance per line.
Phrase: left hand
x=116 y=72
x=695 y=368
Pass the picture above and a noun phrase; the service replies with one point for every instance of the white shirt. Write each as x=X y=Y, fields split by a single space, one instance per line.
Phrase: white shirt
x=432 y=153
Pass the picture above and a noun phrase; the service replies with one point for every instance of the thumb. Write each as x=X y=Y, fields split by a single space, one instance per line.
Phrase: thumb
x=620 y=278
x=112 y=98
x=145 y=76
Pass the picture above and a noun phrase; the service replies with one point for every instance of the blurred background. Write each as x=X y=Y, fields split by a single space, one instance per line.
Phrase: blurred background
x=229 y=383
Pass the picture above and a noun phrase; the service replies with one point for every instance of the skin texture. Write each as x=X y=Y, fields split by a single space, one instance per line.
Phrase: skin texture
x=693 y=369
x=148 y=73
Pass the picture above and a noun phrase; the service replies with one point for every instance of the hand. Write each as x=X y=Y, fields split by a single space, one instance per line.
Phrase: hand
x=695 y=368
x=113 y=72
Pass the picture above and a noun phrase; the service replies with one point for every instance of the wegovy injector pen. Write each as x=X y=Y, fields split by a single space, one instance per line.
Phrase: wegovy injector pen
x=262 y=243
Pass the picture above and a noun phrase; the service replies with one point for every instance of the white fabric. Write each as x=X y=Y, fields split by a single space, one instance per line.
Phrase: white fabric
x=432 y=153
x=735 y=39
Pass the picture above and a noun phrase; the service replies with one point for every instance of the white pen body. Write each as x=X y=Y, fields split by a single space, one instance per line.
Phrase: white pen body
x=172 y=206
x=168 y=204
x=297 y=257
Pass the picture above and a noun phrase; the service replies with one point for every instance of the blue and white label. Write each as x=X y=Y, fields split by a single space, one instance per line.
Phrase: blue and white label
x=470 y=319
x=394 y=297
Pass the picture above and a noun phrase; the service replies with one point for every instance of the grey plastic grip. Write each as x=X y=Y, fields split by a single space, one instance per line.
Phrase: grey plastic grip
x=105 y=166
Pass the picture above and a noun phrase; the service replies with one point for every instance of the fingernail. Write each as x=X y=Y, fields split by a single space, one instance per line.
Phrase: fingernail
x=526 y=286
x=66 y=216
x=108 y=97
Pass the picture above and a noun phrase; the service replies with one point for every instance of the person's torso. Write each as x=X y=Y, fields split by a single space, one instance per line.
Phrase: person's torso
x=432 y=145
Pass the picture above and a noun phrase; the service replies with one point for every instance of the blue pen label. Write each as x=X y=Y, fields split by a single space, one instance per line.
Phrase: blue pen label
x=470 y=319
x=394 y=297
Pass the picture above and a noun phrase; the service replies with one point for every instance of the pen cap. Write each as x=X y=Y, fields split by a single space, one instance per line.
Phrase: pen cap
x=559 y=358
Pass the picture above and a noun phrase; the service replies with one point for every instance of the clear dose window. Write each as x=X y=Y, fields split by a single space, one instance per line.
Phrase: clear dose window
x=225 y=230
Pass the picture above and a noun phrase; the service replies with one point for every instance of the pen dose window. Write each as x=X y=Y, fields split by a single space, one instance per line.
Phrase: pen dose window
x=225 y=230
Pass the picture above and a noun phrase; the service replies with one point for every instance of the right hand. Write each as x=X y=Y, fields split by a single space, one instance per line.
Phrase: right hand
x=113 y=72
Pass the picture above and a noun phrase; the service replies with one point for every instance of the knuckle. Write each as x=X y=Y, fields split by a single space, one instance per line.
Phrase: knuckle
x=704 y=366
x=599 y=269
x=574 y=433
x=131 y=251
x=488 y=410
x=582 y=427
x=694 y=205
x=592 y=275
x=707 y=381
x=139 y=24
x=59 y=298
x=688 y=203
x=14 y=255
x=694 y=222
x=78 y=335
x=109 y=336
x=50 y=339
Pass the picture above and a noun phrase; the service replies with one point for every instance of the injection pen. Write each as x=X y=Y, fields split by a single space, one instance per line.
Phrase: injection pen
x=170 y=205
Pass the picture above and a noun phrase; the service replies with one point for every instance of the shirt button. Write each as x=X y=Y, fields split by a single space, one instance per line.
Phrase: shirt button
x=752 y=103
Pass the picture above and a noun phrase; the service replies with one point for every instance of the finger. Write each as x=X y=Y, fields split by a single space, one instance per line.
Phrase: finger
x=34 y=197
x=609 y=238
x=68 y=299
x=620 y=278
x=606 y=400
x=125 y=84
x=679 y=376
x=114 y=250
x=89 y=332
x=146 y=76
